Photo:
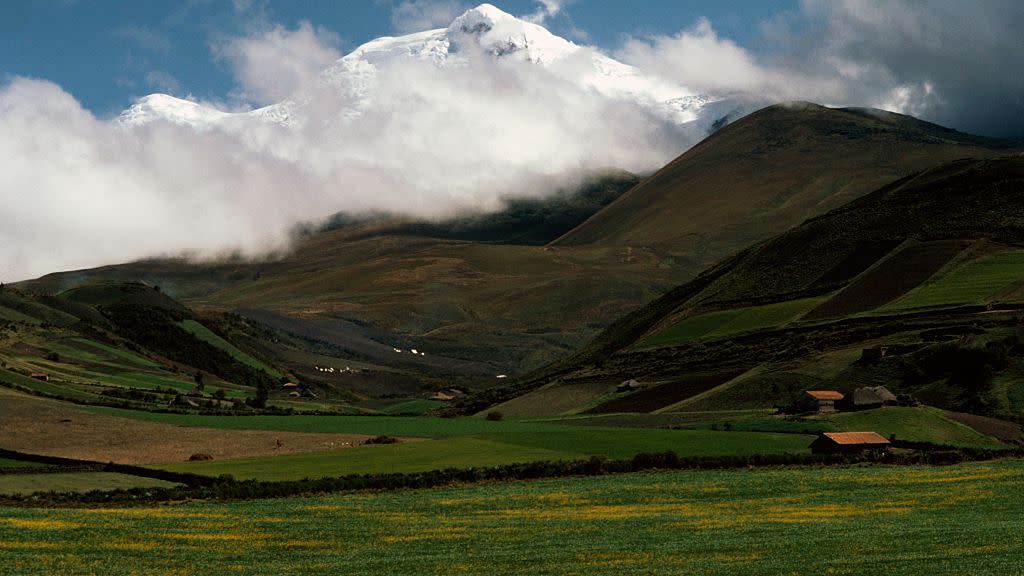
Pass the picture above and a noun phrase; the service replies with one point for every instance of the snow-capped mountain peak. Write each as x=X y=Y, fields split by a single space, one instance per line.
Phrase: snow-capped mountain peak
x=485 y=30
x=501 y=34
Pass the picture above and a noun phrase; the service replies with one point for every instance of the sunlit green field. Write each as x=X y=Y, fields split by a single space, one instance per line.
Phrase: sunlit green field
x=867 y=521
x=560 y=443
x=724 y=323
x=972 y=283
x=919 y=424
x=204 y=334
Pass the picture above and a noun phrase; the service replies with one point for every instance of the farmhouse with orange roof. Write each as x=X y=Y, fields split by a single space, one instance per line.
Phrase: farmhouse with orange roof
x=848 y=443
x=824 y=399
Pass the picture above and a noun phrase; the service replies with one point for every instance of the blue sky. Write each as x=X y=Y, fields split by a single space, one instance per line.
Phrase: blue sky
x=106 y=53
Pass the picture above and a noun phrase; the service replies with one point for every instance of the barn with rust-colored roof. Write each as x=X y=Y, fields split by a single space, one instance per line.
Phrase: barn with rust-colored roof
x=824 y=400
x=848 y=442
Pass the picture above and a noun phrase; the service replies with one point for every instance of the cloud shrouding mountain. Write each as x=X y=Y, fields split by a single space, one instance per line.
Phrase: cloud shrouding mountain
x=273 y=64
x=79 y=191
x=431 y=140
x=950 y=62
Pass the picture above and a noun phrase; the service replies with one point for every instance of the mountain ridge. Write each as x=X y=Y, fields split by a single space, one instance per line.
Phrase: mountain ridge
x=771 y=170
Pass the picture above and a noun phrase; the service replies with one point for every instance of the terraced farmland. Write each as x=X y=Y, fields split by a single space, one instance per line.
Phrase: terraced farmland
x=900 y=521
x=890 y=279
x=767 y=316
x=690 y=328
x=724 y=323
x=975 y=282
x=557 y=399
x=206 y=335
x=655 y=397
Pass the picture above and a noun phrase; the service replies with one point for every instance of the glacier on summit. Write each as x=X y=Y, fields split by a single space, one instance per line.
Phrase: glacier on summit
x=480 y=34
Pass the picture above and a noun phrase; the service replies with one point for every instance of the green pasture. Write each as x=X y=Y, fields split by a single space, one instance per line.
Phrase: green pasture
x=690 y=328
x=555 y=399
x=417 y=406
x=422 y=426
x=73 y=482
x=724 y=323
x=874 y=521
x=614 y=439
x=39 y=312
x=919 y=424
x=8 y=463
x=48 y=388
x=972 y=283
x=118 y=353
x=204 y=334
x=502 y=445
x=406 y=457
x=767 y=316
x=12 y=315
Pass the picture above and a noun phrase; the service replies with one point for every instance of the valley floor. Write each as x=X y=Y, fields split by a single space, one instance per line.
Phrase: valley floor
x=843 y=520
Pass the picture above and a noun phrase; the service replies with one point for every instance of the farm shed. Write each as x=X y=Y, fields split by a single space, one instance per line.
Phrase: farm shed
x=848 y=442
x=628 y=385
x=823 y=400
x=40 y=376
x=180 y=400
x=872 y=397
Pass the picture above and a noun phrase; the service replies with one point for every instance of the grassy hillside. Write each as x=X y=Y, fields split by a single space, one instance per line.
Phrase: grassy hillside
x=474 y=308
x=936 y=213
x=482 y=297
x=975 y=282
x=918 y=424
x=724 y=323
x=896 y=269
x=206 y=335
x=769 y=171
x=132 y=345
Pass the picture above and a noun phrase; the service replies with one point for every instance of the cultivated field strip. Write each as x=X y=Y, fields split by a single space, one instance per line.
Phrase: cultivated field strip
x=886 y=521
x=890 y=279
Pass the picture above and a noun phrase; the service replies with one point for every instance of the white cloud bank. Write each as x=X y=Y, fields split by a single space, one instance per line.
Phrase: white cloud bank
x=948 y=61
x=80 y=191
x=273 y=64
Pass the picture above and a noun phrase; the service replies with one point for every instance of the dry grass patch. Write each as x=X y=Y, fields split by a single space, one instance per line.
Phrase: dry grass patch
x=41 y=426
